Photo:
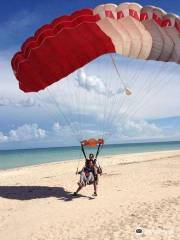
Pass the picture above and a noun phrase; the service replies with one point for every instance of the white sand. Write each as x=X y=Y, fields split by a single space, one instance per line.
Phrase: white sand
x=137 y=190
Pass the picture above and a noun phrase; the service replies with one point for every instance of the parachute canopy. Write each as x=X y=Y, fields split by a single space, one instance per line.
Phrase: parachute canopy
x=69 y=42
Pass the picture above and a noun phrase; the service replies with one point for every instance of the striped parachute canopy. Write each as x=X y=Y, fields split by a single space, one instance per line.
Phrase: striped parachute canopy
x=71 y=41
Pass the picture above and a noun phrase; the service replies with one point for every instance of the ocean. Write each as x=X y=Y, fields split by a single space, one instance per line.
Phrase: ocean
x=28 y=157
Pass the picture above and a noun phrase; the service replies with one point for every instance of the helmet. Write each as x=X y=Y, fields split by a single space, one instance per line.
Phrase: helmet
x=91 y=155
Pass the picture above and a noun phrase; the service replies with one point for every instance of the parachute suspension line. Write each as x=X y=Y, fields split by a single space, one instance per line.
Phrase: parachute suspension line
x=100 y=147
x=112 y=98
x=73 y=96
x=117 y=96
x=135 y=77
x=51 y=96
x=146 y=91
x=81 y=102
x=104 y=112
x=42 y=106
x=60 y=112
x=64 y=116
x=100 y=100
x=147 y=94
x=101 y=103
x=138 y=90
x=165 y=81
x=76 y=100
x=104 y=100
x=125 y=99
x=107 y=105
x=78 y=163
x=51 y=116
x=85 y=104
x=119 y=75
x=80 y=111
x=143 y=90
x=126 y=76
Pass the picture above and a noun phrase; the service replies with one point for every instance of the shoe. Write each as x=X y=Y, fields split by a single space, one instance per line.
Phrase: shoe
x=95 y=194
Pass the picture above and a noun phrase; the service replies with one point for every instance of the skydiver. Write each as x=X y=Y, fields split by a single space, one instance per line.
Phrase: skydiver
x=86 y=175
x=89 y=173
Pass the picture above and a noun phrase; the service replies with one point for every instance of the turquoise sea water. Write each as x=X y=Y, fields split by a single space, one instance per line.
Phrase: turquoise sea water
x=19 y=158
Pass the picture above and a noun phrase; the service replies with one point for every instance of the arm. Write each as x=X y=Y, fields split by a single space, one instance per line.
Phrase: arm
x=97 y=153
x=82 y=148
x=79 y=172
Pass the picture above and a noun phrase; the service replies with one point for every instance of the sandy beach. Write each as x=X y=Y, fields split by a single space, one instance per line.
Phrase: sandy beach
x=136 y=191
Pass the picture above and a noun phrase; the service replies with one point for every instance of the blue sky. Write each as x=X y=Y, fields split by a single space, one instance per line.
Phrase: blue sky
x=21 y=114
x=32 y=14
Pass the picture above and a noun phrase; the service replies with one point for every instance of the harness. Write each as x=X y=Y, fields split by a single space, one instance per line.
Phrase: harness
x=91 y=143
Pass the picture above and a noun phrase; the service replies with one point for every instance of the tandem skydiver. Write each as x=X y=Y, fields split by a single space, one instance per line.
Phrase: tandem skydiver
x=89 y=173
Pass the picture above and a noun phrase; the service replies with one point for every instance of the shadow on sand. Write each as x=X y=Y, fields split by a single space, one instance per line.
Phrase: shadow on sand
x=34 y=192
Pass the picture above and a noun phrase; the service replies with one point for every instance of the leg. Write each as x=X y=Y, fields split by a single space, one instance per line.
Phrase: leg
x=81 y=183
x=79 y=188
x=90 y=178
x=95 y=188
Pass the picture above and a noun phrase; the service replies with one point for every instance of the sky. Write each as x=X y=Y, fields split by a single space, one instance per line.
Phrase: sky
x=59 y=117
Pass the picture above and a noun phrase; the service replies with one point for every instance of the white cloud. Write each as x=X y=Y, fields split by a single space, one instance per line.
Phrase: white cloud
x=66 y=132
x=9 y=84
x=3 y=138
x=133 y=129
x=4 y=101
x=22 y=102
x=56 y=127
x=23 y=133
x=96 y=84
x=27 y=132
x=74 y=132
x=90 y=83
x=142 y=127
x=126 y=129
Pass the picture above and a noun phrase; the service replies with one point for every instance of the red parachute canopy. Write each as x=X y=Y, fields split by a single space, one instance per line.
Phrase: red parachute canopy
x=92 y=142
x=69 y=42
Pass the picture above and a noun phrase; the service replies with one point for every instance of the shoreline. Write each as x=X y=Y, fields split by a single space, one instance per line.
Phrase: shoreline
x=71 y=161
x=110 y=144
